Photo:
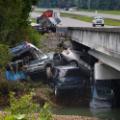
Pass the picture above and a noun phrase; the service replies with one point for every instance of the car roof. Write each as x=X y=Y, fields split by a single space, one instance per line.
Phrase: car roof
x=23 y=47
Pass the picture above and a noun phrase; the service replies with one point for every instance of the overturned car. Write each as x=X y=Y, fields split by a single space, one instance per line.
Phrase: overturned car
x=66 y=78
x=48 y=21
x=33 y=59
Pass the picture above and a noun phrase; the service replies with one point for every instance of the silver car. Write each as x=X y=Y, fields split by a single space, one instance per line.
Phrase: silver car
x=98 y=20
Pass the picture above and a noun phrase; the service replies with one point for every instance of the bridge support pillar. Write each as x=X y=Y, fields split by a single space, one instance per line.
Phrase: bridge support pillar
x=105 y=93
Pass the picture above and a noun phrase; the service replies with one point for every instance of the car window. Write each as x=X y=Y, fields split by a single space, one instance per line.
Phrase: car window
x=98 y=17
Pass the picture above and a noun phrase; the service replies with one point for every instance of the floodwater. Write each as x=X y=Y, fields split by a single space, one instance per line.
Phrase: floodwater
x=103 y=114
x=67 y=106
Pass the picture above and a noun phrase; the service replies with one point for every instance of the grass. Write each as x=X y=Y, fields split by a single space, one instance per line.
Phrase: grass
x=33 y=20
x=113 y=12
x=110 y=22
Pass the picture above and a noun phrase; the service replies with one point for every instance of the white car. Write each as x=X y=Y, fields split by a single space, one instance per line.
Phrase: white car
x=98 y=20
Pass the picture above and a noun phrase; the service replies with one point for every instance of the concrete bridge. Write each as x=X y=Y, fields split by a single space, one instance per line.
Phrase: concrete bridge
x=103 y=44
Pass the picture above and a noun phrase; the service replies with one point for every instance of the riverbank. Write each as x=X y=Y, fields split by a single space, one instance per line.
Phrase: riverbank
x=64 y=117
x=71 y=117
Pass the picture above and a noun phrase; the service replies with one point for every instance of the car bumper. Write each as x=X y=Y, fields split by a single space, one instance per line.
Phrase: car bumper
x=98 y=23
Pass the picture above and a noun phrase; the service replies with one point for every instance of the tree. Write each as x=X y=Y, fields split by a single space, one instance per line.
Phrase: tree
x=14 y=20
x=4 y=57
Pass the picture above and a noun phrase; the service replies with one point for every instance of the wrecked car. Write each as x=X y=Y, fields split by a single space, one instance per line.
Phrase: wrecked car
x=74 y=58
x=34 y=60
x=39 y=28
x=67 y=78
x=48 y=20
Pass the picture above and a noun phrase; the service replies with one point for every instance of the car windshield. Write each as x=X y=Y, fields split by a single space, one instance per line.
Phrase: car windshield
x=98 y=17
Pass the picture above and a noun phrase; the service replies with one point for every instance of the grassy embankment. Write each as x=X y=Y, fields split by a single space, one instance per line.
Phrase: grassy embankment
x=113 y=12
x=111 y=22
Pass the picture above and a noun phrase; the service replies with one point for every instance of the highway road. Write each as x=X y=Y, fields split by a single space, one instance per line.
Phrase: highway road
x=68 y=22
x=86 y=13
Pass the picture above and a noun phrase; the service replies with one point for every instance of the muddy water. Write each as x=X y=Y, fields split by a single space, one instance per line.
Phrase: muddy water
x=75 y=105
x=103 y=114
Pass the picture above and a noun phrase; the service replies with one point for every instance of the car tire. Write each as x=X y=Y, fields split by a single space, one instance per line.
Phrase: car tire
x=49 y=73
x=102 y=25
x=56 y=92
x=73 y=63
x=94 y=25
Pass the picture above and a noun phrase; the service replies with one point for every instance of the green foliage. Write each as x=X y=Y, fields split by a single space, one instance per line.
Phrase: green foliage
x=13 y=117
x=4 y=93
x=24 y=109
x=4 y=89
x=9 y=117
x=34 y=36
x=86 y=4
x=14 y=20
x=23 y=105
x=114 y=12
x=11 y=22
x=45 y=113
x=4 y=54
x=21 y=108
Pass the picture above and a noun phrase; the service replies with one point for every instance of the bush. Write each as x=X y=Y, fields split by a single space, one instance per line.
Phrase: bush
x=45 y=113
x=11 y=86
x=4 y=58
x=34 y=36
x=21 y=108
x=24 y=109
x=4 y=54
x=23 y=105
x=4 y=93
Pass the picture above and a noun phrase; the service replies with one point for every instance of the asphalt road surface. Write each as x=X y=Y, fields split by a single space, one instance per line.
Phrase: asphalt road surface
x=69 y=22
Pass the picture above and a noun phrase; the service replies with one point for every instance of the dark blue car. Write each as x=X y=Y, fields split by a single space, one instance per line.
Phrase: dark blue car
x=67 y=78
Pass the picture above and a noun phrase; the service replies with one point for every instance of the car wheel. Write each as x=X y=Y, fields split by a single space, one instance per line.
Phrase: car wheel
x=56 y=92
x=73 y=63
x=94 y=25
x=102 y=25
x=49 y=73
